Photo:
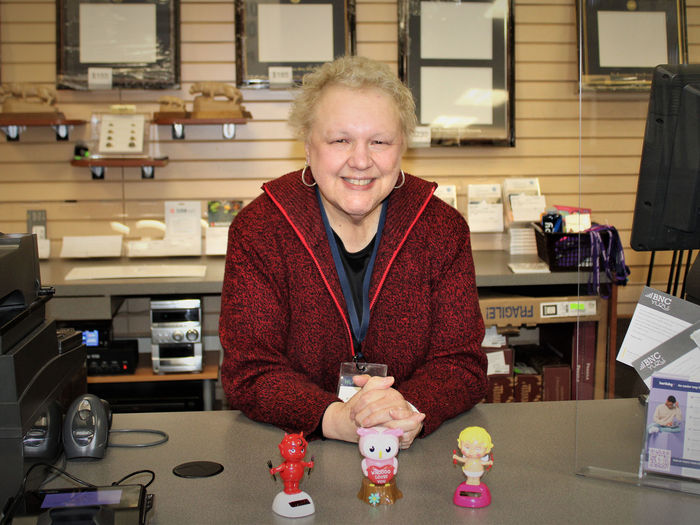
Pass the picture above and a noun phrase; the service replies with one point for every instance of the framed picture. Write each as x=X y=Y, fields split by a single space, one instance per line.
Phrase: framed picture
x=622 y=41
x=103 y=44
x=456 y=56
x=279 y=41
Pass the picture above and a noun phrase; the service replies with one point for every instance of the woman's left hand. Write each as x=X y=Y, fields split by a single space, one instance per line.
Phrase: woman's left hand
x=387 y=407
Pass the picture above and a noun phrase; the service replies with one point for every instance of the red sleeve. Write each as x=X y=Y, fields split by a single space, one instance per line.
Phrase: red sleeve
x=257 y=375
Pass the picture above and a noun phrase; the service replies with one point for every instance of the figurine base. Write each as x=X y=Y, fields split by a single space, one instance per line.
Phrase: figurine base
x=472 y=496
x=374 y=494
x=293 y=505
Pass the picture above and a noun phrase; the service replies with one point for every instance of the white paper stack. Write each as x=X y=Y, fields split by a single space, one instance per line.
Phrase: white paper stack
x=522 y=241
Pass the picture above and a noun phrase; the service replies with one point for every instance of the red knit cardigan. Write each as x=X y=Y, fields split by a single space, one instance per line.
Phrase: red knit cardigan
x=284 y=325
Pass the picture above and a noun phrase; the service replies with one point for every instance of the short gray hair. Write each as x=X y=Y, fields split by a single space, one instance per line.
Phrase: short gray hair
x=354 y=72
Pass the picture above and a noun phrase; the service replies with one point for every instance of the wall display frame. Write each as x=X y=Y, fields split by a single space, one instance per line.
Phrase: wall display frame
x=104 y=44
x=622 y=41
x=279 y=41
x=457 y=58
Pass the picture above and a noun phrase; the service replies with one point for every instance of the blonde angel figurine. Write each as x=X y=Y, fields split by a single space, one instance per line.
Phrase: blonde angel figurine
x=475 y=445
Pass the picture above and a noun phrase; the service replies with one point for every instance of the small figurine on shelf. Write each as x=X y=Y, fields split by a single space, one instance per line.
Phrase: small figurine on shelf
x=206 y=105
x=172 y=106
x=27 y=98
x=379 y=446
x=475 y=445
x=292 y=502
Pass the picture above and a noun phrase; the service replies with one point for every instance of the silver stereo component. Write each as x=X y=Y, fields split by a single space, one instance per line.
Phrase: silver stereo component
x=176 y=335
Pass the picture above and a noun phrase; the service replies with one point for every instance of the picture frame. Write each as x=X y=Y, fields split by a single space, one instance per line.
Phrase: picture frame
x=102 y=44
x=279 y=41
x=457 y=57
x=621 y=41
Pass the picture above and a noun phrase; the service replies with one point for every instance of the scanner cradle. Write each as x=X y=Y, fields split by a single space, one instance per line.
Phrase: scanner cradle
x=86 y=428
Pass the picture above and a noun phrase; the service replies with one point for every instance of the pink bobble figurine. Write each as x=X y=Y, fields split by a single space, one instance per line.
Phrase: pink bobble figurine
x=379 y=446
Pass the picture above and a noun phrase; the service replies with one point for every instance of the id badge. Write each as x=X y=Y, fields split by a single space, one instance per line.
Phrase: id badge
x=346 y=387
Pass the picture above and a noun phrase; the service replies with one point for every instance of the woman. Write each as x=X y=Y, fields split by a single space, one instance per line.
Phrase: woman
x=351 y=259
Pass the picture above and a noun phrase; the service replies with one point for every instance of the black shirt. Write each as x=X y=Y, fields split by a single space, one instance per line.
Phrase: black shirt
x=355 y=265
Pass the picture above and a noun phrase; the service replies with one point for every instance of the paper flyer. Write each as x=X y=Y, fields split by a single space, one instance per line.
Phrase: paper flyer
x=673 y=427
x=678 y=356
x=657 y=317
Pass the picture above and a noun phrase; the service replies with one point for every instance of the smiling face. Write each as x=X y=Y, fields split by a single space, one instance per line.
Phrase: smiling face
x=293 y=447
x=473 y=449
x=354 y=149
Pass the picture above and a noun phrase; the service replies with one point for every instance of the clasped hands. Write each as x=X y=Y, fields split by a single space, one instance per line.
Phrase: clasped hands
x=377 y=403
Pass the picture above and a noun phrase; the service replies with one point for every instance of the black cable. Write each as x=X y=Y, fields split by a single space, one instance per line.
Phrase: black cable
x=145 y=471
x=57 y=471
x=7 y=518
x=164 y=437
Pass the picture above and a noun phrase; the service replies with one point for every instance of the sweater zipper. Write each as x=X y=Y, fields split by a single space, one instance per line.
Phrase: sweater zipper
x=323 y=276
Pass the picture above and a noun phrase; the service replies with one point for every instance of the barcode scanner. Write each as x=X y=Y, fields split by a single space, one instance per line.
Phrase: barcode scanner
x=86 y=428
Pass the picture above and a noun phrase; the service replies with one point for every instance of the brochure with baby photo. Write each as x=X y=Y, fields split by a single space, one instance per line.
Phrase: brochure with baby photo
x=673 y=427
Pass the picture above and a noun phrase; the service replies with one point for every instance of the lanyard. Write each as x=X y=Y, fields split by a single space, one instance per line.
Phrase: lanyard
x=359 y=328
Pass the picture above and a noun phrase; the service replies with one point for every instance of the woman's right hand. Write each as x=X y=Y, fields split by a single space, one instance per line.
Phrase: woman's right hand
x=375 y=404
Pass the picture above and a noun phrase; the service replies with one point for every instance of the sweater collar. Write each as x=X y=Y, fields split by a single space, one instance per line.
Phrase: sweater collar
x=300 y=206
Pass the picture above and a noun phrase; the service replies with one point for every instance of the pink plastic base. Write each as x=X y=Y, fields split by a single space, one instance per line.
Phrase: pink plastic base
x=472 y=496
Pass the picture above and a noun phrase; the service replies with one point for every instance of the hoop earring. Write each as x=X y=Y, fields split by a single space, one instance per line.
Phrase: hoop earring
x=303 y=174
x=403 y=180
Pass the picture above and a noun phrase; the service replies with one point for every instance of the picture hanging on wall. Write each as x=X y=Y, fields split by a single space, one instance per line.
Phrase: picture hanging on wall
x=279 y=41
x=103 y=44
x=456 y=56
x=622 y=41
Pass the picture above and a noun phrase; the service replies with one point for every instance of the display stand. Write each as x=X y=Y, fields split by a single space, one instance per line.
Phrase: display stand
x=616 y=453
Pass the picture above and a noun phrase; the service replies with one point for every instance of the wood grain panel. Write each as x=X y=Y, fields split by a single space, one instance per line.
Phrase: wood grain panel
x=35 y=173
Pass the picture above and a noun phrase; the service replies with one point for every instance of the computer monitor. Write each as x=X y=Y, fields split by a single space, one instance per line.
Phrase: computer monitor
x=667 y=208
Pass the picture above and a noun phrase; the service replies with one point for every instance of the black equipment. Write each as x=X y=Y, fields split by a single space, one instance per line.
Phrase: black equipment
x=41 y=369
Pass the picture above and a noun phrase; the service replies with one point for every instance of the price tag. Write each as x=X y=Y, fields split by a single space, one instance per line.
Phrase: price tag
x=420 y=137
x=280 y=76
x=99 y=78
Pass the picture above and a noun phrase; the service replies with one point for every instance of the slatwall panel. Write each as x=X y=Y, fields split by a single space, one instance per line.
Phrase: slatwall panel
x=35 y=172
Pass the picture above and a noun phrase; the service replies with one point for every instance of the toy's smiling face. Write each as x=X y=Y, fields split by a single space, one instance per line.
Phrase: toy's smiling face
x=293 y=447
x=473 y=449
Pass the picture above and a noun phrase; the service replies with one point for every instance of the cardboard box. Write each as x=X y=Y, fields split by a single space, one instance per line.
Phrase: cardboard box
x=515 y=310
x=556 y=374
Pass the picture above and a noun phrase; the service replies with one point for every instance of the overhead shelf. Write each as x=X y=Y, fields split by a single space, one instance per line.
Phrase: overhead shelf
x=98 y=165
x=12 y=124
x=178 y=123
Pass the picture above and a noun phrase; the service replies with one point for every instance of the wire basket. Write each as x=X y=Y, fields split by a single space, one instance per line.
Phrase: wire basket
x=564 y=252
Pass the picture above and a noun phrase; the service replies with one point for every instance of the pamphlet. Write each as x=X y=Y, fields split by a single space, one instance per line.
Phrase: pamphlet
x=672 y=444
x=447 y=193
x=657 y=317
x=485 y=208
x=678 y=356
x=222 y=213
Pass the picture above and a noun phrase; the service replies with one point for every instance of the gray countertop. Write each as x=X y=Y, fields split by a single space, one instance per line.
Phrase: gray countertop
x=533 y=479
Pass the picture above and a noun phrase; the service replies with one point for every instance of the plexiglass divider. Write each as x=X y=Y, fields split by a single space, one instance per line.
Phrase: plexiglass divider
x=613 y=436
